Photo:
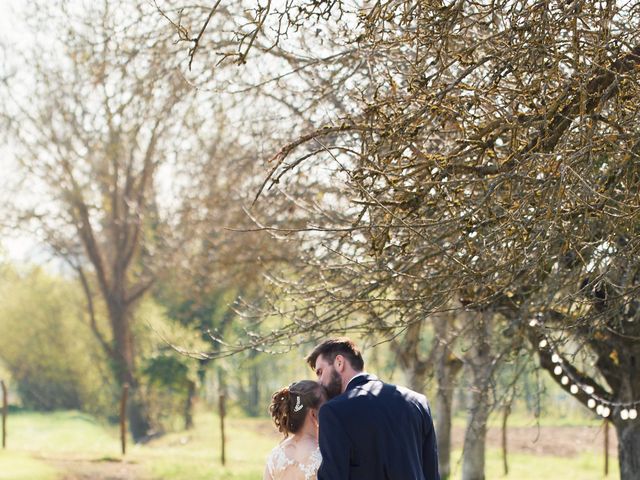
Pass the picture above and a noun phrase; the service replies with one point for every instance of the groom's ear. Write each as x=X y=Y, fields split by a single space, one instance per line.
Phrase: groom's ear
x=339 y=363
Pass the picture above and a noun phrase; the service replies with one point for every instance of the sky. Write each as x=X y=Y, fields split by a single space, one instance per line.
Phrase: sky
x=10 y=18
x=19 y=247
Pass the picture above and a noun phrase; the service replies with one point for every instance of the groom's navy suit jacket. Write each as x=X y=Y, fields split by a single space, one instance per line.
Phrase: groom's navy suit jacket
x=377 y=431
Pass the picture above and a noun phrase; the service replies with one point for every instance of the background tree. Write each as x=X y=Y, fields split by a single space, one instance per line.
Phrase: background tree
x=93 y=114
x=491 y=159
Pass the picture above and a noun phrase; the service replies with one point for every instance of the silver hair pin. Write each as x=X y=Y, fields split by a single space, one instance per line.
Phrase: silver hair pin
x=298 y=406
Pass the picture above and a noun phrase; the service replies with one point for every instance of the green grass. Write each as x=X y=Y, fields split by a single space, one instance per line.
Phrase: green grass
x=21 y=466
x=61 y=432
x=195 y=455
x=41 y=446
x=36 y=440
x=535 y=467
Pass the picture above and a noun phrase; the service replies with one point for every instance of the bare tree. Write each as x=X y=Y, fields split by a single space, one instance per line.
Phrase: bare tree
x=93 y=114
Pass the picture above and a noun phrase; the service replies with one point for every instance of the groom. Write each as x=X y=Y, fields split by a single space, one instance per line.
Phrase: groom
x=370 y=430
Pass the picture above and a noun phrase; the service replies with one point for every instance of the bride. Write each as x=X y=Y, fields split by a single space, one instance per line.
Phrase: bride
x=295 y=412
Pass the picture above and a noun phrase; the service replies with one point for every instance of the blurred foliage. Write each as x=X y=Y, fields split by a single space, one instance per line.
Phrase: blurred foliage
x=167 y=372
x=47 y=345
x=54 y=362
x=5 y=374
x=51 y=360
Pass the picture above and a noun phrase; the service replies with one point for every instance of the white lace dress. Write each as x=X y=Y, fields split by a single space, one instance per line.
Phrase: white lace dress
x=282 y=467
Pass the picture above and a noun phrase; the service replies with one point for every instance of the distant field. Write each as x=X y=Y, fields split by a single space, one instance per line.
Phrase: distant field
x=74 y=446
x=70 y=445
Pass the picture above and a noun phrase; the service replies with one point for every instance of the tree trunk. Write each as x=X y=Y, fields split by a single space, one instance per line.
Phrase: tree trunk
x=254 y=392
x=417 y=379
x=222 y=380
x=475 y=437
x=188 y=406
x=124 y=369
x=628 y=448
x=481 y=366
x=138 y=415
x=447 y=367
x=443 y=412
x=410 y=357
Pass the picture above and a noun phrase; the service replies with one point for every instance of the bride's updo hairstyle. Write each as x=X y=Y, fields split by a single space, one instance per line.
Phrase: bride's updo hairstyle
x=290 y=406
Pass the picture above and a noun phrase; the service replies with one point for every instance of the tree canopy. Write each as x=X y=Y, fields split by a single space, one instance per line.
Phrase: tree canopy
x=487 y=160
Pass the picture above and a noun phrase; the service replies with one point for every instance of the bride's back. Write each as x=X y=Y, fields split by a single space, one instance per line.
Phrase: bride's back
x=295 y=412
x=293 y=459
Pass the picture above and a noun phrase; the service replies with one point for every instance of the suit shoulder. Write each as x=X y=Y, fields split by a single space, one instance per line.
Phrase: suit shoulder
x=410 y=393
x=330 y=406
x=413 y=396
x=335 y=403
x=333 y=410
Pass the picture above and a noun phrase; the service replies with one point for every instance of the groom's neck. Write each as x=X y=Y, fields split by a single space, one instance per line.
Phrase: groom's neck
x=348 y=375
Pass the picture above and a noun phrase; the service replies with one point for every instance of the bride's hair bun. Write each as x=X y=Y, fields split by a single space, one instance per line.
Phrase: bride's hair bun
x=290 y=405
x=279 y=409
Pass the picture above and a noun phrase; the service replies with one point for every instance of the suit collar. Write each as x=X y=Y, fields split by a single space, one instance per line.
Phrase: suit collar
x=360 y=379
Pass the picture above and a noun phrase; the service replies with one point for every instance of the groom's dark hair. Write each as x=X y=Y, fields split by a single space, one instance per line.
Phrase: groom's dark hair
x=329 y=349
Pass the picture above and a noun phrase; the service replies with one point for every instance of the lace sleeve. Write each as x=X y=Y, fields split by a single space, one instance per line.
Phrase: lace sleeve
x=281 y=467
x=310 y=469
x=277 y=462
x=267 y=472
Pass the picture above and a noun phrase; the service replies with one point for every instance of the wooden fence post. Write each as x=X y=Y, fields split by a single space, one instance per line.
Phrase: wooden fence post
x=606 y=447
x=222 y=415
x=505 y=416
x=4 y=414
x=123 y=418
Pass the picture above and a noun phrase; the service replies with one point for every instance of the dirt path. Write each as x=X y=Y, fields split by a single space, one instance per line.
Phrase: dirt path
x=556 y=441
x=86 y=469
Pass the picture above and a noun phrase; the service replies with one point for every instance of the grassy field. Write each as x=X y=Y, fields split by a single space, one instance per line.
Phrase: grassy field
x=51 y=446
x=74 y=446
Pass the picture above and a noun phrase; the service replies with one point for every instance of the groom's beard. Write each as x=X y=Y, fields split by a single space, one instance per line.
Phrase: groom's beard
x=334 y=388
